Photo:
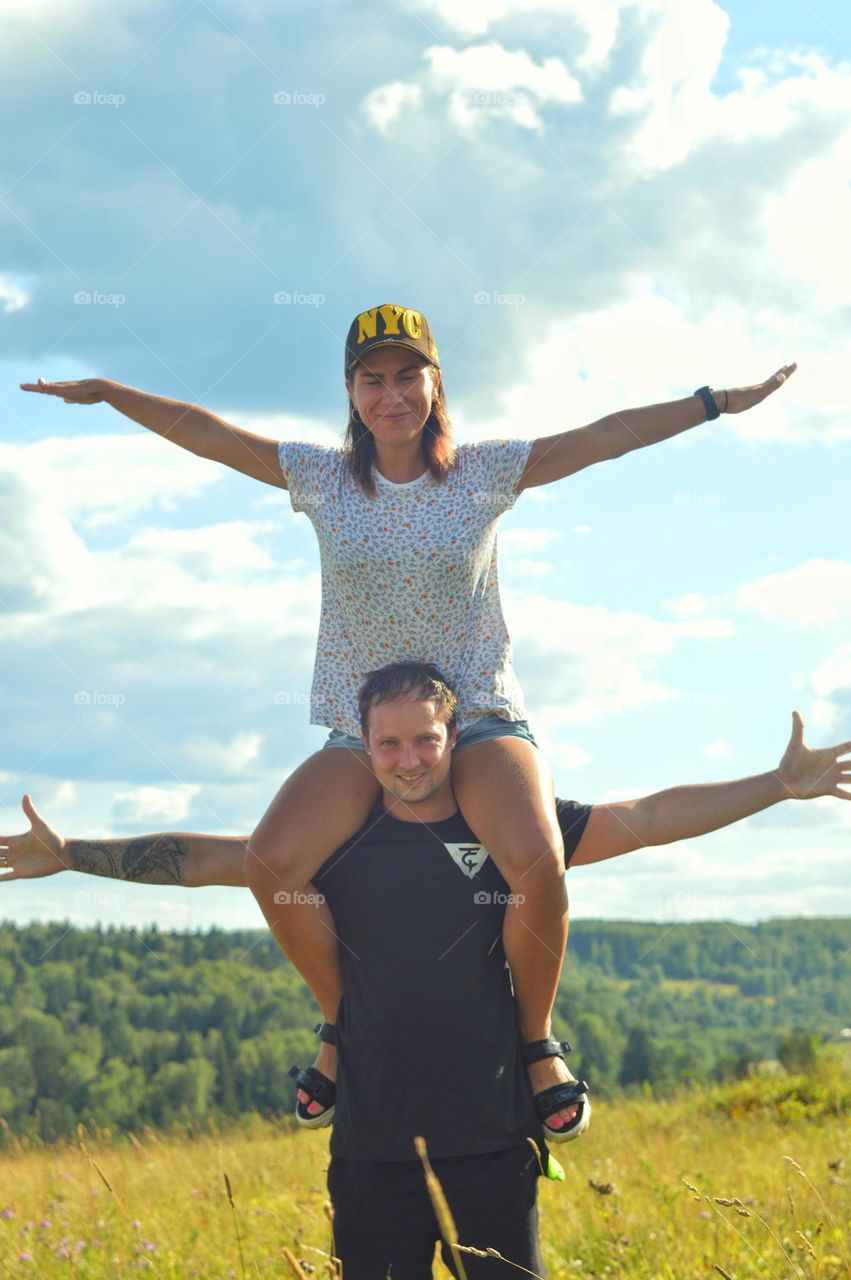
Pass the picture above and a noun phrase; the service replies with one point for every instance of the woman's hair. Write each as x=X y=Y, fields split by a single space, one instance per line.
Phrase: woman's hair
x=399 y=680
x=359 y=444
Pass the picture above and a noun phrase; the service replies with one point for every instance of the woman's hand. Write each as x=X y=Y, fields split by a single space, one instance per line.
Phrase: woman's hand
x=89 y=391
x=741 y=398
x=36 y=853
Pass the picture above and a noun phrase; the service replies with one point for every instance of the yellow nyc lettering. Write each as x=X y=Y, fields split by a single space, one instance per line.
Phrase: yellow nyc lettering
x=390 y=315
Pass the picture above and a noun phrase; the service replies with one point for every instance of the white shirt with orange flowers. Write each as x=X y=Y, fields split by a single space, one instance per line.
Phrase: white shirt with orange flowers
x=410 y=575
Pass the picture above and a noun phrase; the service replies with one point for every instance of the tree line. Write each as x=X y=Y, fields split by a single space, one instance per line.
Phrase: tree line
x=119 y=1029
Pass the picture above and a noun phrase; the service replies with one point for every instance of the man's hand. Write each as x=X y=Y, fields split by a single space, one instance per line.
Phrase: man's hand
x=36 y=853
x=806 y=773
x=741 y=398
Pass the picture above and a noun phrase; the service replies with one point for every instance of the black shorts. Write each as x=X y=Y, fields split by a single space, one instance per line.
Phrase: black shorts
x=384 y=1221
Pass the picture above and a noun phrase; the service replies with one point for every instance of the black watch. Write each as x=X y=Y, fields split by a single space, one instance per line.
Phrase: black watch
x=712 y=410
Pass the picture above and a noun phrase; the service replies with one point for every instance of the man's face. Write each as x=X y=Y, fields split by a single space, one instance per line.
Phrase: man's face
x=410 y=749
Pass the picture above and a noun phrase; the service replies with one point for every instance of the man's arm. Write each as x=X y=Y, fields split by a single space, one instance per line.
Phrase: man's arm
x=681 y=813
x=169 y=857
x=554 y=457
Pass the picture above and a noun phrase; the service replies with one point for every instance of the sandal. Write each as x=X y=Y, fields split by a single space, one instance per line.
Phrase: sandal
x=317 y=1086
x=551 y=1100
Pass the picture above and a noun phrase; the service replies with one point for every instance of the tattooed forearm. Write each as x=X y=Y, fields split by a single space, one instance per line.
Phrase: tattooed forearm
x=159 y=859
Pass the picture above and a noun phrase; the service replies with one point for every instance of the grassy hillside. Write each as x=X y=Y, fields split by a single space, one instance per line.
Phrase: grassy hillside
x=770 y=1197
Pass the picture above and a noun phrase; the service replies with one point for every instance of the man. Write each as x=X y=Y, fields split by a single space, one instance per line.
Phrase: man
x=428 y=1037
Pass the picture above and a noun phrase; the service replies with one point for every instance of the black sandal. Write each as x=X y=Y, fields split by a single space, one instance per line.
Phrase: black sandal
x=551 y=1100
x=317 y=1086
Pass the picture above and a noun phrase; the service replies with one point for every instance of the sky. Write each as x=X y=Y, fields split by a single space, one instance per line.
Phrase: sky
x=597 y=206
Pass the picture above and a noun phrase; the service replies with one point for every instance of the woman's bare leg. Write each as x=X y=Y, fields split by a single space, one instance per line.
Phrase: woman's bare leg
x=504 y=790
x=321 y=804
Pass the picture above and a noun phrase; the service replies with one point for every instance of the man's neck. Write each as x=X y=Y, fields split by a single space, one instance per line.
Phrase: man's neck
x=435 y=809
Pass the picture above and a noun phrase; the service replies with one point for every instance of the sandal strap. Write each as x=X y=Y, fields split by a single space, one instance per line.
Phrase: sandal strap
x=548 y=1101
x=548 y=1048
x=326 y=1031
x=316 y=1085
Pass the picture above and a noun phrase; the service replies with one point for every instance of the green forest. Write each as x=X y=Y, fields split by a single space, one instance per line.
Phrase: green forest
x=120 y=1029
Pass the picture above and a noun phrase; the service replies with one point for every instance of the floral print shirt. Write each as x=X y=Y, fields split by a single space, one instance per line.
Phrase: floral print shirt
x=410 y=575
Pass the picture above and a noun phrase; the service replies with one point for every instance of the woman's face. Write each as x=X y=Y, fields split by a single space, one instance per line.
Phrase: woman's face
x=392 y=390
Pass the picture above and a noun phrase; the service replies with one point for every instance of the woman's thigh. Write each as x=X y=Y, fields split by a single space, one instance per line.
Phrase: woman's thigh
x=505 y=792
x=322 y=803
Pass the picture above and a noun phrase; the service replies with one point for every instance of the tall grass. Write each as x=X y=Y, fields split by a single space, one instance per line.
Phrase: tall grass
x=670 y=1190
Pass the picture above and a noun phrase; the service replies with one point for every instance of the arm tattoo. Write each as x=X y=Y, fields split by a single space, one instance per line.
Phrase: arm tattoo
x=157 y=859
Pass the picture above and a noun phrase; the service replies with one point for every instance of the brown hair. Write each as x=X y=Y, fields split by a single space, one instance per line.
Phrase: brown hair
x=359 y=444
x=399 y=679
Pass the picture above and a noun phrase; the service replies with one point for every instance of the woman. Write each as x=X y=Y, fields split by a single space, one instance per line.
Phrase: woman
x=406 y=524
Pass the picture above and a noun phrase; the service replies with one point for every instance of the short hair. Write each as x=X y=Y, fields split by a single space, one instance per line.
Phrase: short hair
x=399 y=679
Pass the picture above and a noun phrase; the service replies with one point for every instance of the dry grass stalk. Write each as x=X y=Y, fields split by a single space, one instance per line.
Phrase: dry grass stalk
x=722 y=1272
x=294 y=1263
x=494 y=1253
x=806 y=1244
x=799 y=1170
x=441 y=1207
x=235 y=1224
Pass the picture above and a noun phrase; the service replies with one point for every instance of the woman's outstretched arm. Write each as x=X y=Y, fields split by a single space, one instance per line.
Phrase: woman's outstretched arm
x=187 y=425
x=553 y=457
x=168 y=857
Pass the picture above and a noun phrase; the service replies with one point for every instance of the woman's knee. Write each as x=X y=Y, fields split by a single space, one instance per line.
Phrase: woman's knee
x=534 y=855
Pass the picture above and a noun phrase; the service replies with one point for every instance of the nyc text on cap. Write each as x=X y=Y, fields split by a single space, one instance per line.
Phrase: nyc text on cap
x=390 y=326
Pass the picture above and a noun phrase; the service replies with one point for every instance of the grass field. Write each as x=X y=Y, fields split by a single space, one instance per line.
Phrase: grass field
x=771 y=1200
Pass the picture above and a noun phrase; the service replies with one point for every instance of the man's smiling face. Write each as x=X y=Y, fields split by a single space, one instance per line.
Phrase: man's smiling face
x=410 y=749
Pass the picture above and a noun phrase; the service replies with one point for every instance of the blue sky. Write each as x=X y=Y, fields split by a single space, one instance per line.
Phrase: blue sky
x=651 y=196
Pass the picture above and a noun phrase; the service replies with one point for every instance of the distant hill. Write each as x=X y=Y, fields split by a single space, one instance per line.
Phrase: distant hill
x=121 y=1028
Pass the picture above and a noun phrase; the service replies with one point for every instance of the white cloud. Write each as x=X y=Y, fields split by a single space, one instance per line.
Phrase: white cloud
x=12 y=296
x=385 y=105
x=221 y=550
x=690 y=605
x=480 y=83
x=813 y=594
x=671 y=98
x=143 y=805
x=564 y=757
x=582 y=663
x=568 y=376
x=230 y=759
x=521 y=541
x=488 y=81
x=598 y=22
x=104 y=479
x=717 y=750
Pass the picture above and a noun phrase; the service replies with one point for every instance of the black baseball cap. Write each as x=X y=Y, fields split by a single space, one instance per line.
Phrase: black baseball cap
x=390 y=326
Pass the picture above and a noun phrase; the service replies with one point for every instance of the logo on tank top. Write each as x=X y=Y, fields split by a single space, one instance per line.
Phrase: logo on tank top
x=469 y=857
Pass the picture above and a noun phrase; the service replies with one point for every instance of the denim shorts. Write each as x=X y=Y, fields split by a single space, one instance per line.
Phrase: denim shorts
x=477 y=731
